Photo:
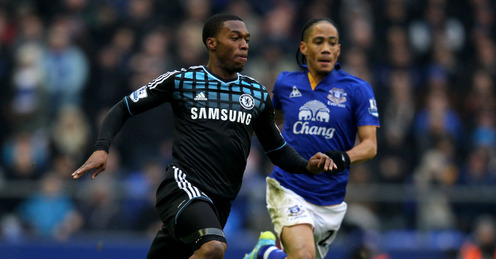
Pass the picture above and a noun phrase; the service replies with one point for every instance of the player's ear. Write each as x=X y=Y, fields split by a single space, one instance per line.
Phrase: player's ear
x=211 y=43
x=303 y=48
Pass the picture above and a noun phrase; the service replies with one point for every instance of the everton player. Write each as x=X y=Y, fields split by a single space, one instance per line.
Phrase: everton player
x=323 y=108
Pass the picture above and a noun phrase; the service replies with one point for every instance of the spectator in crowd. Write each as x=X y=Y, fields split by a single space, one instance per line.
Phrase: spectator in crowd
x=100 y=204
x=65 y=68
x=50 y=212
x=70 y=132
x=25 y=155
x=140 y=187
x=29 y=98
x=482 y=243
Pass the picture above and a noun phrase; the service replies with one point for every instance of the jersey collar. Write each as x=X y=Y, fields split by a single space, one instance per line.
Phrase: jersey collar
x=219 y=79
x=327 y=78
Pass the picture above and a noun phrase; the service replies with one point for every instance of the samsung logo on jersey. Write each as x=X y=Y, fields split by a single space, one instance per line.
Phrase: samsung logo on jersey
x=301 y=127
x=220 y=114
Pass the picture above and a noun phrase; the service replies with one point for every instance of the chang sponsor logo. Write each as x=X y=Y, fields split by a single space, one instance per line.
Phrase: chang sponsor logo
x=313 y=111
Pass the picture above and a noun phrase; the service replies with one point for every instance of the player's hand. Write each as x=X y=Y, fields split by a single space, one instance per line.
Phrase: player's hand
x=319 y=163
x=96 y=162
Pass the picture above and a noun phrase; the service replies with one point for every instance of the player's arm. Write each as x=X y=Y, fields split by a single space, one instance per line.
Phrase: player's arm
x=365 y=150
x=112 y=124
x=366 y=114
x=290 y=161
x=143 y=99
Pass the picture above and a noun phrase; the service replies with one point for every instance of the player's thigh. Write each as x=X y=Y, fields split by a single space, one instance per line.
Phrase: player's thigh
x=199 y=224
x=285 y=207
x=327 y=221
x=297 y=241
x=189 y=216
x=197 y=233
x=199 y=227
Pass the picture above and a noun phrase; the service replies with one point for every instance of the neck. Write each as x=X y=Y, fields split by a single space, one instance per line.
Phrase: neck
x=220 y=72
x=316 y=77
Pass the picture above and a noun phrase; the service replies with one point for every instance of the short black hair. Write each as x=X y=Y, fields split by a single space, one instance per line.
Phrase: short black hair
x=214 y=24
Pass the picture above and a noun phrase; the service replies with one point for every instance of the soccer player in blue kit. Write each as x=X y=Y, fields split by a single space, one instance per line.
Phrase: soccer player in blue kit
x=323 y=108
x=216 y=111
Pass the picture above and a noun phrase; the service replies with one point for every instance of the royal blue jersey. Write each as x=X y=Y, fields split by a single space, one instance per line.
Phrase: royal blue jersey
x=323 y=119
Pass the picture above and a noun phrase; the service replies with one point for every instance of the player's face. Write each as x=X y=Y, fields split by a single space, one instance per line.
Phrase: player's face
x=232 y=46
x=321 y=48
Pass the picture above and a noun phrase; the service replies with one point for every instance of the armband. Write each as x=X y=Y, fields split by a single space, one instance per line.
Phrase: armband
x=340 y=159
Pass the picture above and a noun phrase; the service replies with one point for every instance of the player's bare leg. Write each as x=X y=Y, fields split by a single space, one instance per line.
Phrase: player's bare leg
x=298 y=241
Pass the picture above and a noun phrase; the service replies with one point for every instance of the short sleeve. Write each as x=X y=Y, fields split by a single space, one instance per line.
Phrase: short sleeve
x=366 y=112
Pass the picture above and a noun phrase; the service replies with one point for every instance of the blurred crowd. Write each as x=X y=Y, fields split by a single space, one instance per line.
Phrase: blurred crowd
x=63 y=64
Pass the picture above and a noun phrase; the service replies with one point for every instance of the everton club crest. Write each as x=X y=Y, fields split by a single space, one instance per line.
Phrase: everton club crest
x=337 y=97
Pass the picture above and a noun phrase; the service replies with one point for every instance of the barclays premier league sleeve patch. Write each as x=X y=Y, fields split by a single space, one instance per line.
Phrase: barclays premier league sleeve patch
x=373 y=108
x=139 y=94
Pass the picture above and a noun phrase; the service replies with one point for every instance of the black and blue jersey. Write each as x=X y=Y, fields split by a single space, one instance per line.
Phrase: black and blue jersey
x=214 y=123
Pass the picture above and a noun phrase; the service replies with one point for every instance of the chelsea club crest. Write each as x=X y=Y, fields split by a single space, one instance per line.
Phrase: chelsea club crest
x=247 y=101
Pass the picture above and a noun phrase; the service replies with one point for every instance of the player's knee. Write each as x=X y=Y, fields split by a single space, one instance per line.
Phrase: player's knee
x=212 y=250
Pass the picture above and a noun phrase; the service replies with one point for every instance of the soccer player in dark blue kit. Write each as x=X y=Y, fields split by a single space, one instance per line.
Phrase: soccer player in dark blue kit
x=323 y=108
x=216 y=111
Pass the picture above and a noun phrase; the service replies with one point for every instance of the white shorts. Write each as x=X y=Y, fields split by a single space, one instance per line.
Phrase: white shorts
x=287 y=208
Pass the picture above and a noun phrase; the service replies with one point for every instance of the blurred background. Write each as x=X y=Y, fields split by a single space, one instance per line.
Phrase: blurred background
x=429 y=193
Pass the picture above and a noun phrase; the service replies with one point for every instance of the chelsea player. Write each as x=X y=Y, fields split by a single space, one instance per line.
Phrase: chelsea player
x=216 y=111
